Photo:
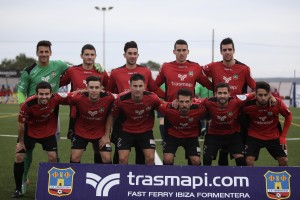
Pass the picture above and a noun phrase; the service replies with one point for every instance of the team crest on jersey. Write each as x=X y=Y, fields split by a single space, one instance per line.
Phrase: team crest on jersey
x=230 y=114
x=235 y=76
x=190 y=120
x=148 y=108
x=191 y=73
x=270 y=113
x=101 y=110
x=60 y=181
x=53 y=74
x=278 y=185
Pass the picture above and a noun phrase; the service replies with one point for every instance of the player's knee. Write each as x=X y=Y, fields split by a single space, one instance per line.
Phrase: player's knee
x=195 y=160
x=106 y=159
x=52 y=157
x=123 y=159
x=250 y=161
x=75 y=158
x=168 y=160
x=283 y=161
x=19 y=157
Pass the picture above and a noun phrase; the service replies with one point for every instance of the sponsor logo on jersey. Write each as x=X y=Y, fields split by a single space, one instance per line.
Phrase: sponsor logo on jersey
x=139 y=112
x=221 y=118
x=278 y=185
x=263 y=118
x=93 y=113
x=227 y=79
x=182 y=77
x=60 y=181
x=45 y=78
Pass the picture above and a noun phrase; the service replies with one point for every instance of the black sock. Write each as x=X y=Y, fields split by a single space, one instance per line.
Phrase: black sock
x=74 y=162
x=18 y=174
x=97 y=158
x=207 y=160
x=240 y=161
x=223 y=158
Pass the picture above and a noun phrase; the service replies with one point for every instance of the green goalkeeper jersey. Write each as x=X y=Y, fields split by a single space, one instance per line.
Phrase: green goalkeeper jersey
x=35 y=73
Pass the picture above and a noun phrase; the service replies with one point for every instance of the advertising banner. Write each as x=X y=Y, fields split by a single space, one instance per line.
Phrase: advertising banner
x=95 y=181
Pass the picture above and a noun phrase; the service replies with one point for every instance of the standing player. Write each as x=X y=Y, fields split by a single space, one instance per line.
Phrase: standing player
x=263 y=128
x=233 y=72
x=93 y=107
x=37 y=124
x=224 y=127
x=136 y=111
x=181 y=73
x=182 y=127
x=119 y=83
x=43 y=70
x=77 y=75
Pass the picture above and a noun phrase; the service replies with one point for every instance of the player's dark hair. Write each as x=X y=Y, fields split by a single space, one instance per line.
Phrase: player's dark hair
x=263 y=85
x=222 y=85
x=131 y=44
x=89 y=47
x=92 y=78
x=182 y=42
x=43 y=85
x=184 y=92
x=43 y=43
x=136 y=77
x=225 y=42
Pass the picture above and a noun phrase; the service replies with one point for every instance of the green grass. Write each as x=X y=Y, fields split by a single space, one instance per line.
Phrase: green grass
x=8 y=126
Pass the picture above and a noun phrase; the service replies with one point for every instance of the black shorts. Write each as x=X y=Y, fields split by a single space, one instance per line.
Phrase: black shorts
x=190 y=145
x=160 y=115
x=48 y=143
x=212 y=143
x=81 y=143
x=273 y=147
x=127 y=140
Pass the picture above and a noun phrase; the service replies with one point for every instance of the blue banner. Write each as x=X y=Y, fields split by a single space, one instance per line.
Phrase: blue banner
x=95 y=181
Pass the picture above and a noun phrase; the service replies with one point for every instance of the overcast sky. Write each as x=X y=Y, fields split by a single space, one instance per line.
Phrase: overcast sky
x=266 y=32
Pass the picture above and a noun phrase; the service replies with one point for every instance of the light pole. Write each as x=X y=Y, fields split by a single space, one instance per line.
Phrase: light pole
x=103 y=9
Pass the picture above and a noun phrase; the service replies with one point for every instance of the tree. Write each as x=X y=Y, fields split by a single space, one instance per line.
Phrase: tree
x=18 y=64
x=152 y=65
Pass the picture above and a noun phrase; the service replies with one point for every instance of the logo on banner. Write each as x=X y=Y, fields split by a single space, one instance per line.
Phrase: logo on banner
x=102 y=186
x=60 y=181
x=278 y=185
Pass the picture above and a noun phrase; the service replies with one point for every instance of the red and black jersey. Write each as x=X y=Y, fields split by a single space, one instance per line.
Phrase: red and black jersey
x=119 y=80
x=137 y=117
x=224 y=120
x=182 y=126
x=181 y=75
x=76 y=75
x=263 y=120
x=40 y=120
x=91 y=116
x=237 y=76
